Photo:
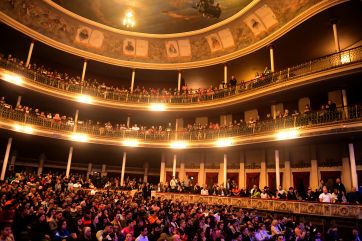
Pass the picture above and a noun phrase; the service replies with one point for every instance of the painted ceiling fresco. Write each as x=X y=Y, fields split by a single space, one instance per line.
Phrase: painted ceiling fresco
x=152 y=16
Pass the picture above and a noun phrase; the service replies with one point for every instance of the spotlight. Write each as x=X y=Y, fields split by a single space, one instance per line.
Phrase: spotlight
x=224 y=142
x=86 y=99
x=345 y=58
x=12 y=78
x=178 y=145
x=157 y=107
x=79 y=137
x=130 y=143
x=287 y=134
x=23 y=129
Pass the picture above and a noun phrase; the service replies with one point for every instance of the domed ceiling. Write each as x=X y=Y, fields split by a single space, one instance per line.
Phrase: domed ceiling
x=154 y=16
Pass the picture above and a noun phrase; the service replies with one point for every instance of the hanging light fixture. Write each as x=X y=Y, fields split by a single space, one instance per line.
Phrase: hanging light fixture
x=129 y=20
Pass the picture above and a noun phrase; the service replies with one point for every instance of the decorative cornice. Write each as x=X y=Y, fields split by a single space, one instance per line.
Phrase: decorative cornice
x=166 y=64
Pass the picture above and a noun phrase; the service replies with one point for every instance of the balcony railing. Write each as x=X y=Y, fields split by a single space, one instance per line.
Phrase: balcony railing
x=280 y=206
x=314 y=119
x=321 y=64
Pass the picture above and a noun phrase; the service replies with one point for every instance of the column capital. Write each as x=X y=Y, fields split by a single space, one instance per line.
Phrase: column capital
x=271 y=46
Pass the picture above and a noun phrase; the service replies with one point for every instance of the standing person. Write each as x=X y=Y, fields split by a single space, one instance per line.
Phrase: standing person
x=143 y=235
x=233 y=82
x=325 y=196
x=173 y=184
x=339 y=186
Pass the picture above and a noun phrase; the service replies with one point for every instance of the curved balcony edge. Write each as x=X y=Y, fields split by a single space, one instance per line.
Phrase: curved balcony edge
x=252 y=94
x=149 y=141
x=289 y=207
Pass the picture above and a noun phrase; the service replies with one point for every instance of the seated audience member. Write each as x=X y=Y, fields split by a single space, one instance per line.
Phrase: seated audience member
x=264 y=194
x=6 y=233
x=255 y=192
x=335 y=196
x=235 y=191
x=291 y=194
x=355 y=235
x=325 y=196
x=204 y=190
x=354 y=196
x=281 y=193
x=310 y=196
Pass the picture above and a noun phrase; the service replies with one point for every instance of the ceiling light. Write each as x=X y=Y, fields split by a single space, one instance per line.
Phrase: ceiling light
x=157 y=107
x=23 y=129
x=79 y=137
x=86 y=99
x=287 y=134
x=345 y=58
x=129 y=20
x=178 y=145
x=224 y=142
x=130 y=143
x=12 y=78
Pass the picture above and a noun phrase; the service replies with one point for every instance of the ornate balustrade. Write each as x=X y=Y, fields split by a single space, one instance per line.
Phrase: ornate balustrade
x=301 y=122
x=332 y=61
x=290 y=207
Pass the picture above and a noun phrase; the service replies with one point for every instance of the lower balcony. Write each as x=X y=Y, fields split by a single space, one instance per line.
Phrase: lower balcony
x=288 y=207
x=342 y=120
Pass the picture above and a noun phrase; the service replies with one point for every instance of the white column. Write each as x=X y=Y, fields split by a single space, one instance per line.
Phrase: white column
x=69 y=161
x=345 y=103
x=29 y=54
x=76 y=120
x=89 y=170
x=201 y=180
x=336 y=38
x=225 y=74
x=41 y=164
x=104 y=170
x=287 y=175
x=271 y=49
x=277 y=168
x=18 y=102
x=225 y=169
x=263 y=171
x=162 y=169
x=84 y=70
x=274 y=111
x=352 y=160
x=132 y=80
x=145 y=175
x=179 y=81
x=242 y=170
x=128 y=121
x=123 y=168
x=174 y=165
x=6 y=159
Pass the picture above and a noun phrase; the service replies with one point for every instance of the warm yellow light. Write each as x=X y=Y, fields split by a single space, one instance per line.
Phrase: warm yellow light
x=345 y=58
x=24 y=129
x=129 y=20
x=86 y=99
x=12 y=78
x=224 y=142
x=178 y=144
x=79 y=137
x=157 y=107
x=130 y=143
x=287 y=134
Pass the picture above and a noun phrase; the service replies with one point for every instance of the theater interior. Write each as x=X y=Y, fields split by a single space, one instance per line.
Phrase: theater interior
x=210 y=120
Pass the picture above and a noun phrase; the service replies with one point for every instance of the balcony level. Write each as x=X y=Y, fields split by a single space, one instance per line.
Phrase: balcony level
x=332 y=66
x=318 y=123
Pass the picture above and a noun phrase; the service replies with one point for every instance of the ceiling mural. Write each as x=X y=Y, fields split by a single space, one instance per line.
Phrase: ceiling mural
x=154 y=16
x=43 y=20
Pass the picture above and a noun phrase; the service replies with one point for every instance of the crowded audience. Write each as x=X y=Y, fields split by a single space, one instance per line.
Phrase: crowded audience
x=49 y=207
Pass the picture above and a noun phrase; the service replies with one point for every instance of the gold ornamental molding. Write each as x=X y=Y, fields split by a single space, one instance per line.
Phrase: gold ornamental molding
x=200 y=59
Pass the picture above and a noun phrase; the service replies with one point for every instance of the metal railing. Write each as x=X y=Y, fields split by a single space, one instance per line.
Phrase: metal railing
x=321 y=64
x=313 y=119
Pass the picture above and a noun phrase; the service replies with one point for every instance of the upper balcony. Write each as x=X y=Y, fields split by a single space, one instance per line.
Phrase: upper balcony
x=342 y=120
x=331 y=66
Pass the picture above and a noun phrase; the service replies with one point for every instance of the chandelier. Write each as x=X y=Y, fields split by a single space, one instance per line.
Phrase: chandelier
x=128 y=20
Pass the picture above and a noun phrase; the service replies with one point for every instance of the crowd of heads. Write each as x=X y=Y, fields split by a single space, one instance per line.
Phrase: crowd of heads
x=331 y=193
x=49 y=207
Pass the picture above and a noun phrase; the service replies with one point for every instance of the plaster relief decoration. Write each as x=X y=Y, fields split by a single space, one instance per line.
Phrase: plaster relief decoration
x=226 y=37
x=261 y=20
x=133 y=47
x=172 y=49
x=89 y=37
x=214 y=42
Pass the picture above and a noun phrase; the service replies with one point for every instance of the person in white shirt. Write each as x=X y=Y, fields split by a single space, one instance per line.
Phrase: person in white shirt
x=173 y=184
x=204 y=191
x=325 y=197
x=262 y=234
x=143 y=235
x=264 y=195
